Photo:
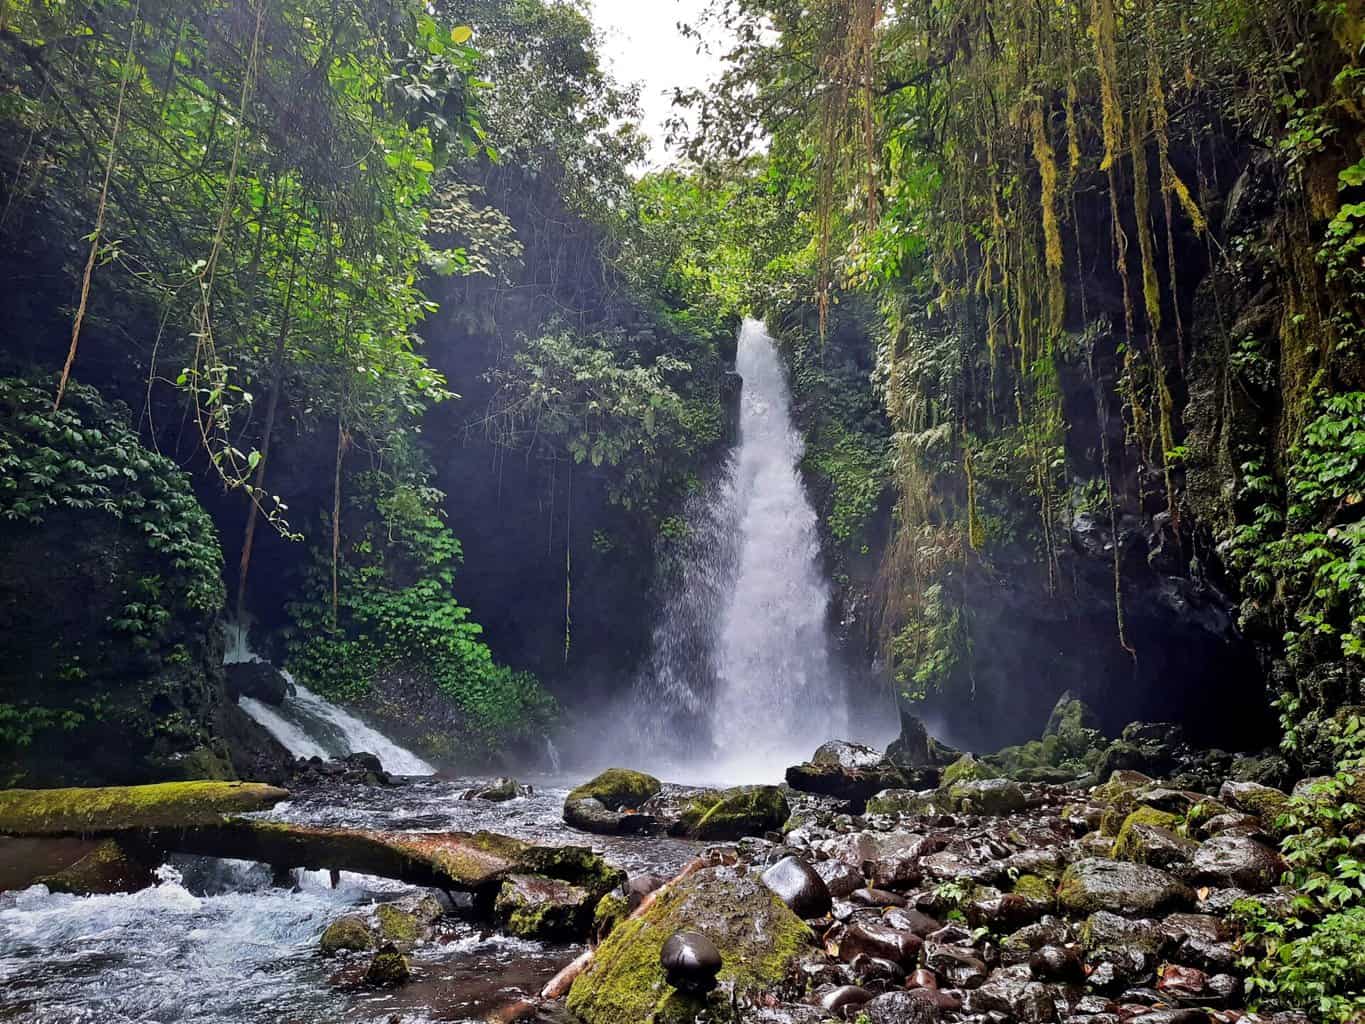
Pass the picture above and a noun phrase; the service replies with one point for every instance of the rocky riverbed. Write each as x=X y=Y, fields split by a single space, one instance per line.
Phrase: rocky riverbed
x=986 y=890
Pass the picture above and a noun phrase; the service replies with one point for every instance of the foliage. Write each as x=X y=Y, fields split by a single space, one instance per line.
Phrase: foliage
x=395 y=611
x=84 y=458
x=1314 y=957
x=596 y=399
x=275 y=258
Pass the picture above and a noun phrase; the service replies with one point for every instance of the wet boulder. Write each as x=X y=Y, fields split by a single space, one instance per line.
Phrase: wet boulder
x=609 y=803
x=1265 y=802
x=1057 y=963
x=536 y=907
x=408 y=922
x=388 y=969
x=1237 y=861
x=1014 y=992
x=840 y=879
x=347 y=934
x=905 y=801
x=968 y=769
x=844 y=998
x=919 y=1006
x=994 y=797
x=733 y=814
x=1147 y=837
x=498 y=791
x=259 y=680
x=799 y=886
x=1120 y=887
x=878 y=940
x=915 y=748
x=843 y=754
x=758 y=937
x=855 y=785
x=1201 y=939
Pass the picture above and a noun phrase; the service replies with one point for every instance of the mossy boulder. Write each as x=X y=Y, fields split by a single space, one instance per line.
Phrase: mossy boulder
x=112 y=866
x=1141 y=816
x=350 y=934
x=401 y=927
x=1121 y=888
x=968 y=769
x=616 y=788
x=1035 y=889
x=63 y=812
x=388 y=969
x=536 y=907
x=905 y=801
x=988 y=796
x=733 y=813
x=760 y=941
x=1266 y=802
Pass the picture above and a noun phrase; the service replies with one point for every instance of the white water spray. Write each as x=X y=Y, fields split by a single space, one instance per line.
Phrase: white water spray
x=312 y=726
x=741 y=664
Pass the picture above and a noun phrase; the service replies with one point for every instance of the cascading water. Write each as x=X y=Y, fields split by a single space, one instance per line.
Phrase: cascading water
x=311 y=726
x=741 y=682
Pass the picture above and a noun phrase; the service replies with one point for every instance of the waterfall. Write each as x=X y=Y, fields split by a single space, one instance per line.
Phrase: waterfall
x=741 y=682
x=309 y=725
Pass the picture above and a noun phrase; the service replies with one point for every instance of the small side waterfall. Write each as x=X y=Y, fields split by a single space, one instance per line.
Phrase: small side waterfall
x=312 y=726
x=741 y=682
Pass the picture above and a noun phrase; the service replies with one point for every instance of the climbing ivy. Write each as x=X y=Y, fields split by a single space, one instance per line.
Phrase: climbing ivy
x=85 y=458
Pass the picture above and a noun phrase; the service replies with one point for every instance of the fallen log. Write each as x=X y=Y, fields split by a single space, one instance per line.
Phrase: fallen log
x=115 y=809
x=451 y=861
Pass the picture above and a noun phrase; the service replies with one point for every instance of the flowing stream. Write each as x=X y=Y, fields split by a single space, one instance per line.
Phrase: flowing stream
x=741 y=682
x=311 y=726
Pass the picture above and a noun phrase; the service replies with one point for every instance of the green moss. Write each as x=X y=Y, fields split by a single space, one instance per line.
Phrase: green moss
x=734 y=813
x=759 y=940
x=350 y=933
x=397 y=926
x=905 y=801
x=611 y=911
x=967 y=769
x=535 y=907
x=55 y=812
x=1033 y=887
x=619 y=787
x=1128 y=845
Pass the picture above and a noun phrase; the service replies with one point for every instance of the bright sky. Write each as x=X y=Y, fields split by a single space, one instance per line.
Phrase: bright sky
x=642 y=45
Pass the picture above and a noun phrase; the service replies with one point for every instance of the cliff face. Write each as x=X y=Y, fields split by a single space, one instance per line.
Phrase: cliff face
x=1198 y=588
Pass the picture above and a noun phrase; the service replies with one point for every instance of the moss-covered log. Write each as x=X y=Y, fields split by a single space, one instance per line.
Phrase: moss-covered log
x=170 y=805
x=452 y=861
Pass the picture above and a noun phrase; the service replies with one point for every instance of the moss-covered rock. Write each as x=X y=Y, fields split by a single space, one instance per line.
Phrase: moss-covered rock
x=758 y=937
x=401 y=927
x=988 y=796
x=388 y=969
x=616 y=788
x=1124 y=843
x=906 y=801
x=536 y=907
x=58 y=812
x=968 y=769
x=734 y=813
x=1120 y=888
x=1265 y=802
x=347 y=934
x=113 y=866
